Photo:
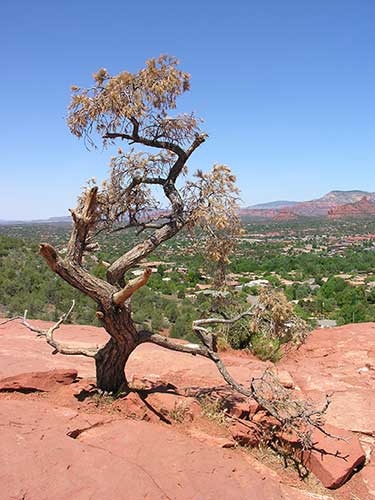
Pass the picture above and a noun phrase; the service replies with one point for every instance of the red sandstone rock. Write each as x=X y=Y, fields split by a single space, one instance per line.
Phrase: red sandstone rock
x=240 y=410
x=117 y=459
x=369 y=478
x=333 y=460
x=219 y=441
x=245 y=433
x=360 y=208
x=173 y=406
x=285 y=214
x=134 y=407
x=83 y=388
x=285 y=378
x=38 y=381
x=290 y=437
x=253 y=408
x=263 y=419
x=329 y=362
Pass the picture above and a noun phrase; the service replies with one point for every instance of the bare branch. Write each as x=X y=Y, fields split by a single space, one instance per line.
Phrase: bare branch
x=194 y=349
x=74 y=274
x=153 y=143
x=182 y=159
x=156 y=222
x=61 y=347
x=117 y=269
x=209 y=338
x=294 y=415
x=70 y=268
x=84 y=219
x=166 y=342
x=212 y=321
x=49 y=254
x=199 y=139
x=38 y=331
x=132 y=286
x=11 y=319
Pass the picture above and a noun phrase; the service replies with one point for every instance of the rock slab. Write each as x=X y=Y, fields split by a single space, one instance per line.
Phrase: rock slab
x=37 y=381
x=334 y=460
x=55 y=453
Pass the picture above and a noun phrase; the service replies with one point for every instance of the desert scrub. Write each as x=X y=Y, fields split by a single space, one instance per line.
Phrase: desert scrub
x=266 y=348
x=180 y=412
x=102 y=400
x=271 y=323
x=213 y=409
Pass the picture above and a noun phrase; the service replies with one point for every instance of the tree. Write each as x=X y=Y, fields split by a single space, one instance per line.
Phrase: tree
x=138 y=109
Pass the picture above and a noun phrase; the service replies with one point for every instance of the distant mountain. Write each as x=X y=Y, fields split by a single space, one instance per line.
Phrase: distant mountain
x=344 y=197
x=319 y=207
x=51 y=220
x=363 y=207
x=10 y=222
x=64 y=218
x=274 y=204
x=280 y=210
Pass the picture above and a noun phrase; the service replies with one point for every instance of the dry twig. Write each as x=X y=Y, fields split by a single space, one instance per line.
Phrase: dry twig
x=59 y=347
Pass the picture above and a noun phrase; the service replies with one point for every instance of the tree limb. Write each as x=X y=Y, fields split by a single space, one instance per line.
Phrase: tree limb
x=194 y=349
x=212 y=321
x=11 y=319
x=84 y=220
x=209 y=338
x=132 y=286
x=153 y=143
x=38 y=331
x=115 y=273
x=74 y=274
x=293 y=415
x=117 y=269
x=62 y=347
x=182 y=159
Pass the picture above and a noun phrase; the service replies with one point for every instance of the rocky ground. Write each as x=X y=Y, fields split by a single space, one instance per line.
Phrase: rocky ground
x=62 y=440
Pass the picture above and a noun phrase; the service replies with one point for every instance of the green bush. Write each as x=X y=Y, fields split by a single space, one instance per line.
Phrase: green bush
x=266 y=348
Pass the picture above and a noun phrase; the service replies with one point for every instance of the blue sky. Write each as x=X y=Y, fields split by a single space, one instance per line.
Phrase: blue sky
x=286 y=88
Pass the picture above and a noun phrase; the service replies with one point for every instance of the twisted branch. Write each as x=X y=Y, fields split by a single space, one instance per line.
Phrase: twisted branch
x=84 y=220
x=59 y=347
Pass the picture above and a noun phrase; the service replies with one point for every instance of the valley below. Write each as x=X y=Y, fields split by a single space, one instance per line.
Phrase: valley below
x=181 y=433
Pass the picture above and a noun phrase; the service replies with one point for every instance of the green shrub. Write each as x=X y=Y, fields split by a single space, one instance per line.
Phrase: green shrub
x=266 y=348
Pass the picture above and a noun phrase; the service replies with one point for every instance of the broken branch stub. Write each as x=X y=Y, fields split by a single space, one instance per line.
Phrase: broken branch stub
x=49 y=254
x=125 y=293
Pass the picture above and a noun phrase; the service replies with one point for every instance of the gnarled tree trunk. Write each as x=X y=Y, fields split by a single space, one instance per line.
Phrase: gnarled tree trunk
x=110 y=364
x=111 y=359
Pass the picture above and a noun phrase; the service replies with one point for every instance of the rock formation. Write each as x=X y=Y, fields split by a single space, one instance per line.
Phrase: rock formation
x=362 y=208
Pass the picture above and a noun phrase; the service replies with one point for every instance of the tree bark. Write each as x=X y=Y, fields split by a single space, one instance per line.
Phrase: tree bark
x=111 y=359
x=110 y=367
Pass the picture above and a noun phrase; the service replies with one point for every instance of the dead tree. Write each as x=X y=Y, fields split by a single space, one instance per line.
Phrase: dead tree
x=138 y=109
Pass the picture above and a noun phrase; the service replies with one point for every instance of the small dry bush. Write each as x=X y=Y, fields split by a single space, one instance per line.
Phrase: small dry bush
x=213 y=409
x=272 y=324
x=179 y=413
